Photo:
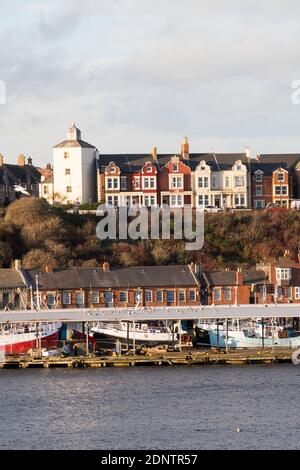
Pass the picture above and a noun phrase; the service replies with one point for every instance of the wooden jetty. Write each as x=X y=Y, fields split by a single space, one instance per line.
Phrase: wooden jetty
x=163 y=358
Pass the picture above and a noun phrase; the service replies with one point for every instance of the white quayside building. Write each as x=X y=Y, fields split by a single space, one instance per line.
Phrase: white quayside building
x=74 y=167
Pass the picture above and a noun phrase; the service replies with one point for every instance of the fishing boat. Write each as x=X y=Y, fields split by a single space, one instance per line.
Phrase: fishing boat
x=134 y=332
x=252 y=335
x=18 y=340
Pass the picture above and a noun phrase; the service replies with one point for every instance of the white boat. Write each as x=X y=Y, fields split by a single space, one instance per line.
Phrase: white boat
x=252 y=335
x=129 y=332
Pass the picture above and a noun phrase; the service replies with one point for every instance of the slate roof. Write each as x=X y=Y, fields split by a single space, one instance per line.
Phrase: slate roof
x=228 y=278
x=11 y=174
x=130 y=163
x=10 y=279
x=288 y=159
x=74 y=143
x=140 y=276
x=267 y=168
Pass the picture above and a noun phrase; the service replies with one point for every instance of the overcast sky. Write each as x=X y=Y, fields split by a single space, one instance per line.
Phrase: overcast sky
x=137 y=73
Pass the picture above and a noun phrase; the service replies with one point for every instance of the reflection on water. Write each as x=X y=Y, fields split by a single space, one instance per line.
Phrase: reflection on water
x=151 y=408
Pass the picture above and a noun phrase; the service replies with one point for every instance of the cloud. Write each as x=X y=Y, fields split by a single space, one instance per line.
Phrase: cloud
x=136 y=73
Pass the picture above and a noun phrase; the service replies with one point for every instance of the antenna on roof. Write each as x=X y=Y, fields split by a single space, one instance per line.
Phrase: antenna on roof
x=215 y=157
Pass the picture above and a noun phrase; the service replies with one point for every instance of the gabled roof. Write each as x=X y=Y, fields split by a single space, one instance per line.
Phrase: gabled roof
x=74 y=143
x=228 y=278
x=267 y=168
x=137 y=276
x=287 y=159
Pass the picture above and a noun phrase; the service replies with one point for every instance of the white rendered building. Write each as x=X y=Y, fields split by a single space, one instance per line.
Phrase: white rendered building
x=74 y=169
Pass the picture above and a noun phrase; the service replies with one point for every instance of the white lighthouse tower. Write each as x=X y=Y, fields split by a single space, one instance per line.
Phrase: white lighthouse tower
x=74 y=169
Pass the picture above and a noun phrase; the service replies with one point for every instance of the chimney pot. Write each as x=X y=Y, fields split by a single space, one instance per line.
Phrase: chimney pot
x=21 y=159
x=239 y=277
x=185 y=148
x=154 y=153
x=17 y=264
x=105 y=266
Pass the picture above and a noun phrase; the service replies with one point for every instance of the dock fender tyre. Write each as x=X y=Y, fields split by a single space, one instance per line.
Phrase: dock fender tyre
x=296 y=357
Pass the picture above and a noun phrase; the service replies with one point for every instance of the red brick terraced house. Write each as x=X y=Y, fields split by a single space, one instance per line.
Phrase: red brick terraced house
x=231 y=287
x=116 y=287
x=283 y=280
x=156 y=179
x=271 y=185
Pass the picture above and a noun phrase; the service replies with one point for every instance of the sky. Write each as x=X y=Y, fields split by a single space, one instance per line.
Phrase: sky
x=133 y=74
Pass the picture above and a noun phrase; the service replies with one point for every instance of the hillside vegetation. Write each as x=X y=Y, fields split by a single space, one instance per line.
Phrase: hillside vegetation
x=42 y=235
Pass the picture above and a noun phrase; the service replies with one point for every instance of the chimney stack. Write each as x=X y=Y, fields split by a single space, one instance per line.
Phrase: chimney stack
x=17 y=264
x=21 y=159
x=105 y=266
x=1 y=160
x=154 y=153
x=185 y=148
x=29 y=161
x=239 y=277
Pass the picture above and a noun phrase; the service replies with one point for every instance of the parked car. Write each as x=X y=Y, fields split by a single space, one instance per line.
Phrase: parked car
x=212 y=209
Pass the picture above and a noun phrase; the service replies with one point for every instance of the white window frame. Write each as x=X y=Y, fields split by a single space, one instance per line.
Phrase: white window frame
x=78 y=293
x=297 y=293
x=239 y=181
x=124 y=294
x=123 y=183
x=283 y=274
x=259 y=190
x=95 y=294
x=115 y=183
x=64 y=294
x=137 y=182
x=149 y=182
x=150 y=294
x=259 y=176
x=205 y=200
x=176 y=200
x=176 y=181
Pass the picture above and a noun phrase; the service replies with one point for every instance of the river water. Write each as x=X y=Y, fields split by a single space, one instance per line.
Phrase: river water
x=151 y=408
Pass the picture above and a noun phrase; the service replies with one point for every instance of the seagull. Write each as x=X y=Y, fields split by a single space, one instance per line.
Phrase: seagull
x=238 y=430
x=19 y=189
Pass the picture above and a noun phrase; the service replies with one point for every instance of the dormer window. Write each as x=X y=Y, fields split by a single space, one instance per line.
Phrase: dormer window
x=112 y=169
x=238 y=167
x=149 y=169
x=259 y=176
x=175 y=168
x=203 y=168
